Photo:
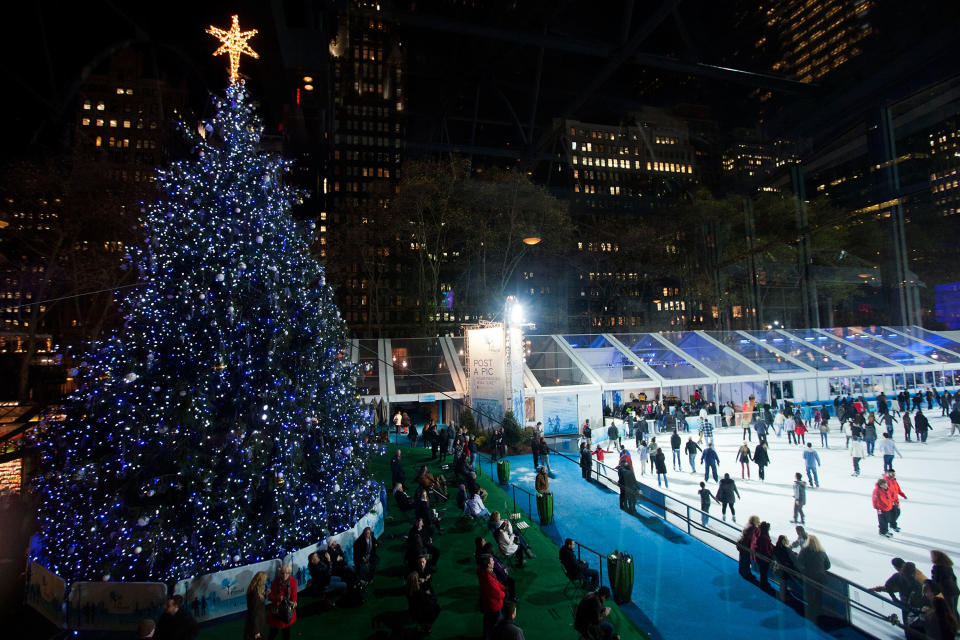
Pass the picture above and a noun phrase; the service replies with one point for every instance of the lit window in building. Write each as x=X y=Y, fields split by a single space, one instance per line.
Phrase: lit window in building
x=113 y=123
x=573 y=145
x=85 y=122
x=126 y=124
x=99 y=122
x=101 y=106
x=99 y=141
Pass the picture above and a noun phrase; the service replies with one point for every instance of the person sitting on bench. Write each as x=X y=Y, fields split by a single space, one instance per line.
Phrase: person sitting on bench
x=577 y=569
x=402 y=499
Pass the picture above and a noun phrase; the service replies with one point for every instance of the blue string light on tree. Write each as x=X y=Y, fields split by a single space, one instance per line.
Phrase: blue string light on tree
x=219 y=427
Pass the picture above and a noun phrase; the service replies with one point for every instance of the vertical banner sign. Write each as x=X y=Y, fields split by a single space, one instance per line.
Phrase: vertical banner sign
x=488 y=384
x=516 y=372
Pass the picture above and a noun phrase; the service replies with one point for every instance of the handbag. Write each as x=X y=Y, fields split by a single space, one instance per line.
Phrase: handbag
x=283 y=610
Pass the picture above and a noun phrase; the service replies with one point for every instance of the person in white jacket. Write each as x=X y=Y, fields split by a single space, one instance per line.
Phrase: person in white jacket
x=779 y=421
x=858 y=451
x=888 y=448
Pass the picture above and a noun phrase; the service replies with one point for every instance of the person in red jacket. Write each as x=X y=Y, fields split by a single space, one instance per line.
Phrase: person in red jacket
x=883 y=504
x=492 y=594
x=893 y=487
x=284 y=586
x=762 y=551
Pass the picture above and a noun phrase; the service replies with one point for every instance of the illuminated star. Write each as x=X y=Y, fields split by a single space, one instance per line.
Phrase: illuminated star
x=234 y=43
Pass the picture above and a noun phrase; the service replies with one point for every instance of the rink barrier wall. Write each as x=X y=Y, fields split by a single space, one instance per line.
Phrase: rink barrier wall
x=842 y=599
x=119 y=606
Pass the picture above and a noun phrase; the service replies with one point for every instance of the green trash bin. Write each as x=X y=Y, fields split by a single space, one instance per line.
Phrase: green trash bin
x=545 y=507
x=620 y=571
x=503 y=471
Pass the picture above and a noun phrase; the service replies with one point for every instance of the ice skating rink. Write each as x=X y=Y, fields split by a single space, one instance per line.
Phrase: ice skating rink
x=686 y=589
x=840 y=512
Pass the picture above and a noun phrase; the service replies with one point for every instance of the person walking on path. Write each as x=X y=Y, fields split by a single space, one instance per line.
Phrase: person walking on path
x=883 y=504
x=799 y=499
x=545 y=454
x=921 y=425
x=705 y=498
x=888 y=448
x=660 y=461
x=858 y=451
x=744 y=457
x=761 y=458
x=726 y=495
x=812 y=461
x=709 y=459
x=895 y=494
x=692 y=448
x=675 y=444
x=586 y=461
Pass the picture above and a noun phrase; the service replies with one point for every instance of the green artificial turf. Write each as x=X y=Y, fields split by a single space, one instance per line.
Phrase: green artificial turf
x=543 y=610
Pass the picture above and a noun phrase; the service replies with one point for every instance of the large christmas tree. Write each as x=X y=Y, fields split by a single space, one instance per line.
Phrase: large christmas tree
x=220 y=427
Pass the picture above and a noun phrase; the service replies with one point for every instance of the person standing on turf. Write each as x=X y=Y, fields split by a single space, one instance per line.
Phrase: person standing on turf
x=705 y=498
x=858 y=451
x=799 y=499
x=692 y=448
x=812 y=460
x=888 y=448
x=726 y=495
x=761 y=458
x=883 y=504
x=895 y=492
x=744 y=457
x=709 y=460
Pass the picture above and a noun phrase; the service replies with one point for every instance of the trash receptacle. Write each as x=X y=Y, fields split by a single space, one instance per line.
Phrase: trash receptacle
x=503 y=471
x=620 y=572
x=545 y=507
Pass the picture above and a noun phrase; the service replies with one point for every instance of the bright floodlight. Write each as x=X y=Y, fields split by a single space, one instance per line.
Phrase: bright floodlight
x=516 y=314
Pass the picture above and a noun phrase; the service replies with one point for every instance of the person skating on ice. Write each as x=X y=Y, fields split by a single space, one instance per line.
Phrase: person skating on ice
x=705 y=498
x=692 y=449
x=799 y=499
x=744 y=457
x=709 y=460
x=727 y=495
x=761 y=457
x=888 y=449
x=893 y=488
x=883 y=505
x=858 y=451
x=812 y=460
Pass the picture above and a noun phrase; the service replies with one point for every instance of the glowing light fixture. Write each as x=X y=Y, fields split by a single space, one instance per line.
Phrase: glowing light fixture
x=532 y=240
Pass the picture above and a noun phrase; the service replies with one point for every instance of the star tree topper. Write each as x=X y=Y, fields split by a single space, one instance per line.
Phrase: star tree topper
x=234 y=43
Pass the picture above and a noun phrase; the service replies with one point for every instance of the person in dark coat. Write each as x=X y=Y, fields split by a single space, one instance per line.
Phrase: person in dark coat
x=745 y=546
x=814 y=564
x=175 y=622
x=691 y=449
x=507 y=628
x=710 y=459
x=705 y=498
x=575 y=568
x=590 y=618
x=255 y=624
x=421 y=601
x=921 y=425
x=444 y=443
x=627 y=482
x=586 y=461
x=365 y=559
x=762 y=553
x=942 y=573
x=397 y=474
x=660 y=463
x=786 y=564
x=675 y=445
x=535 y=450
x=761 y=458
x=727 y=495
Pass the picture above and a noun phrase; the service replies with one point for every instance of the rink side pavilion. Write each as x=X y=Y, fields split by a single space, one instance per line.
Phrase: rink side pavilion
x=585 y=372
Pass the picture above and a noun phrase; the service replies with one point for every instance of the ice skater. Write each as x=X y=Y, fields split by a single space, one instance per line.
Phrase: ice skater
x=824 y=428
x=660 y=461
x=705 y=498
x=761 y=458
x=858 y=451
x=643 y=455
x=895 y=493
x=799 y=499
x=888 y=449
x=709 y=460
x=883 y=504
x=744 y=457
x=812 y=461
x=692 y=448
x=726 y=495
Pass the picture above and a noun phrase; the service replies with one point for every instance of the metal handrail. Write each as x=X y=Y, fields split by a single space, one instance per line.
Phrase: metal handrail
x=599 y=555
x=803 y=579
